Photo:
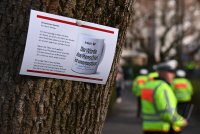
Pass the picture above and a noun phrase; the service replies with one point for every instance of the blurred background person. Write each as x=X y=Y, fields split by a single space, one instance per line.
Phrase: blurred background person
x=183 y=91
x=153 y=75
x=160 y=30
x=138 y=84
x=159 y=103
x=119 y=84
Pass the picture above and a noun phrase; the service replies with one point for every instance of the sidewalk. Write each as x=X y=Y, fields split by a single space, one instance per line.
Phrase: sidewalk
x=122 y=119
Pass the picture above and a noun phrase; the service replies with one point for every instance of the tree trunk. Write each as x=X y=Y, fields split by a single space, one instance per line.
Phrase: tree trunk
x=40 y=105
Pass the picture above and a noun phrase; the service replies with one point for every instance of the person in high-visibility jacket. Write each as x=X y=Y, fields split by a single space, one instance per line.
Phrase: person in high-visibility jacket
x=152 y=75
x=159 y=103
x=183 y=91
x=138 y=84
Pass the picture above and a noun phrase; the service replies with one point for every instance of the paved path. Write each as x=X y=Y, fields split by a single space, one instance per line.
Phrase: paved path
x=122 y=118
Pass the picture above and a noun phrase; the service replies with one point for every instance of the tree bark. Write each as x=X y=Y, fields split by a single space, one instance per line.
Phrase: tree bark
x=32 y=105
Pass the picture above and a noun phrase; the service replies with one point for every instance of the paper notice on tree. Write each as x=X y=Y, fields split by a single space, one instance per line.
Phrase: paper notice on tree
x=57 y=47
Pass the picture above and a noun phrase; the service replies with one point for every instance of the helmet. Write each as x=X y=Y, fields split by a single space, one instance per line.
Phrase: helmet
x=180 y=73
x=143 y=71
x=166 y=66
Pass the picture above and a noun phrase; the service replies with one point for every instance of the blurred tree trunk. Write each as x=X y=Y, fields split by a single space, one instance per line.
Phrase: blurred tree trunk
x=41 y=105
x=180 y=7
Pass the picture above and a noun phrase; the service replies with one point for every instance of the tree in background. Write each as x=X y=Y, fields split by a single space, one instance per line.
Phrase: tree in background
x=166 y=29
x=43 y=105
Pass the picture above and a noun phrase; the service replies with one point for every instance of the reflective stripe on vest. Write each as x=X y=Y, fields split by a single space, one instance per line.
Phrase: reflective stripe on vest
x=151 y=117
x=140 y=81
x=159 y=131
x=169 y=108
x=152 y=120
x=166 y=110
x=181 y=86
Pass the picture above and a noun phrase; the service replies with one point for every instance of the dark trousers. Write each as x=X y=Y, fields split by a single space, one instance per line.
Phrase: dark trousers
x=138 y=106
x=118 y=92
x=183 y=108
